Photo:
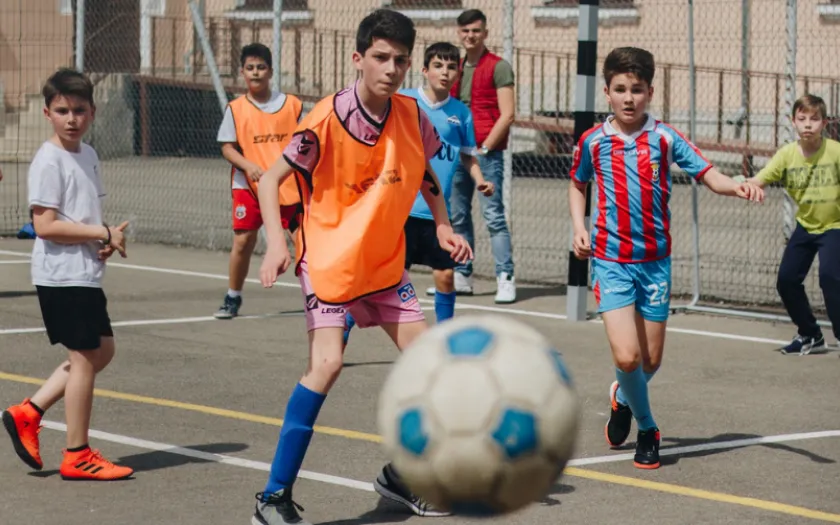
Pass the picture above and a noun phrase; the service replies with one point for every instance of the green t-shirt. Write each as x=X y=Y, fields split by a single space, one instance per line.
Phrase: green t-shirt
x=502 y=77
x=813 y=183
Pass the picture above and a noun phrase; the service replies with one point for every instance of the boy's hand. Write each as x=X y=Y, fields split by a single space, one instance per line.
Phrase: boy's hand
x=486 y=188
x=105 y=253
x=275 y=262
x=580 y=245
x=750 y=192
x=118 y=239
x=254 y=172
x=458 y=247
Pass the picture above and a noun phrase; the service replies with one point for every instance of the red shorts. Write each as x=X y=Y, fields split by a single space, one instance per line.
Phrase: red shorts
x=246 y=210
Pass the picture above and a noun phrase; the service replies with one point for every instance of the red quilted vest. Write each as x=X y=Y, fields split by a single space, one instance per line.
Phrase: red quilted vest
x=484 y=103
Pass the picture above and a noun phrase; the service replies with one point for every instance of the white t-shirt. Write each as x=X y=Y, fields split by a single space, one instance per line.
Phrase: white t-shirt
x=227 y=130
x=69 y=183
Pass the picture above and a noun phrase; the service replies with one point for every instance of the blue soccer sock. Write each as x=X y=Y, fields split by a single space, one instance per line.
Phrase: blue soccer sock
x=619 y=395
x=349 y=323
x=301 y=413
x=635 y=390
x=444 y=305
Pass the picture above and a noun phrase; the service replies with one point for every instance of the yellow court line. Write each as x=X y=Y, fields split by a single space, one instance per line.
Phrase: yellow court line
x=720 y=497
x=221 y=412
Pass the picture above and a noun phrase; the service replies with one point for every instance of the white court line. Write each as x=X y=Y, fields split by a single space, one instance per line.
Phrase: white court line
x=14 y=262
x=207 y=456
x=145 y=322
x=361 y=485
x=460 y=306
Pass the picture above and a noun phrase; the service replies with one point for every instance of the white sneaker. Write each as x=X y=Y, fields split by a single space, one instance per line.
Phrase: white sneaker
x=430 y=291
x=505 y=288
x=463 y=284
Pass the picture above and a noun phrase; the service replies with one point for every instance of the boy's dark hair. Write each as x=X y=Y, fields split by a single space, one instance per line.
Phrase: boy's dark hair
x=809 y=102
x=388 y=25
x=471 y=16
x=67 y=82
x=629 y=60
x=257 y=51
x=443 y=51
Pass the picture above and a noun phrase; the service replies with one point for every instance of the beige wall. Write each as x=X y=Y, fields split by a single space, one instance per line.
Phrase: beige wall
x=45 y=42
x=35 y=39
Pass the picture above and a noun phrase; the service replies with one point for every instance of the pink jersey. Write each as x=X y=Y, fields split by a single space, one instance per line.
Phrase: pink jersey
x=360 y=124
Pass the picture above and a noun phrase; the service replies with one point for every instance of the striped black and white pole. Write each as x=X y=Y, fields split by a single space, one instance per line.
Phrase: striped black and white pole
x=587 y=58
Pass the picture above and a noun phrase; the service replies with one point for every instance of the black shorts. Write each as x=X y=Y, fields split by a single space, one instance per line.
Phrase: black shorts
x=422 y=246
x=75 y=316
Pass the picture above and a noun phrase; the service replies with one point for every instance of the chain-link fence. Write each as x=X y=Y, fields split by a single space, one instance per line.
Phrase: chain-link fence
x=158 y=112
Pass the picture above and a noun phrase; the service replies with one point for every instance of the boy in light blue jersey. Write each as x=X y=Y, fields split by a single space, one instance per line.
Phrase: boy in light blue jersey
x=453 y=122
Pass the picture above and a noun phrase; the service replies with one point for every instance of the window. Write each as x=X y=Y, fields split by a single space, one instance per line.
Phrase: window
x=268 y=5
x=565 y=12
x=829 y=11
x=428 y=11
x=426 y=4
x=294 y=11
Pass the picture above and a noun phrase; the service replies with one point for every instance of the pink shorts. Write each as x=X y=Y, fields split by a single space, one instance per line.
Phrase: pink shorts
x=394 y=305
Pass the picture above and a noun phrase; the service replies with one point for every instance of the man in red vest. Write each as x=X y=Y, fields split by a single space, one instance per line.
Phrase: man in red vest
x=486 y=86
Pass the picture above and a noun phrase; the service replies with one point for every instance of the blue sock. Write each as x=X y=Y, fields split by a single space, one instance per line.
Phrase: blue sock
x=349 y=323
x=619 y=395
x=301 y=413
x=635 y=390
x=444 y=305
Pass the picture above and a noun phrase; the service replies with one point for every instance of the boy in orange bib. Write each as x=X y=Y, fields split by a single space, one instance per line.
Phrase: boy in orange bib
x=255 y=129
x=360 y=157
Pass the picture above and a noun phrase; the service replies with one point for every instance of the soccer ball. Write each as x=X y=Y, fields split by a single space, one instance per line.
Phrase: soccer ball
x=479 y=416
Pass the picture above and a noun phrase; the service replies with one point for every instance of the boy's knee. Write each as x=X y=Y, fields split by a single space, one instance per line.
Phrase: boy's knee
x=244 y=241
x=786 y=281
x=627 y=360
x=829 y=280
x=329 y=367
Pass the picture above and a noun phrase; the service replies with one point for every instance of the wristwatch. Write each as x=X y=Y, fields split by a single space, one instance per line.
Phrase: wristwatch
x=484 y=150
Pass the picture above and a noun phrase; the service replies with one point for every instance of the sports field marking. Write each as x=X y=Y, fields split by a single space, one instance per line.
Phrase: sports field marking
x=374 y=438
x=145 y=322
x=14 y=262
x=668 y=488
x=459 y=306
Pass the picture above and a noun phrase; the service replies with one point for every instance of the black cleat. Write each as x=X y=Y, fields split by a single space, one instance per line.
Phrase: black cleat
x=621 y=417
x=647 y=449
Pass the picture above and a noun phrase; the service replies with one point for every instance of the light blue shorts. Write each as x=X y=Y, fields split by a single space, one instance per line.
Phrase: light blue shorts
x=645 y=284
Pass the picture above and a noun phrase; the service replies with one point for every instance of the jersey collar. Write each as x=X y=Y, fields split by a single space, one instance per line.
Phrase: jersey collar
x=432 y=105
x=649 y=125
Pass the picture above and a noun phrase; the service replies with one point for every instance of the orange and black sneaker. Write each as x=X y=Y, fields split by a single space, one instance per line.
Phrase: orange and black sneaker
x=23 y=423
x=617 y=428
x=89 y=465
x=647 y=449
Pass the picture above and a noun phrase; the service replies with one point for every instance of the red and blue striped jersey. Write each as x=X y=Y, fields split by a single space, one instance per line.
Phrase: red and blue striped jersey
x=632 y=187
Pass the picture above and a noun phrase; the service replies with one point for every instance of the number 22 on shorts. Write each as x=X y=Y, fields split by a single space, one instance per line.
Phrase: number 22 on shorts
x=660 y=293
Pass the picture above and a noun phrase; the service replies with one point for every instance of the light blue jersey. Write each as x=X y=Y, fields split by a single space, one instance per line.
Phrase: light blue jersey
x=453 y=121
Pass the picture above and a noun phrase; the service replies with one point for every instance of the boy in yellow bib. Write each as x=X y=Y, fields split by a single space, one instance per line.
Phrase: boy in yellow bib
x=810 y=171
x=359 y=157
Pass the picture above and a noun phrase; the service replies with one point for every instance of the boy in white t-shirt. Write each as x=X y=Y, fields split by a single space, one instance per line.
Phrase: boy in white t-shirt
x=68 y=261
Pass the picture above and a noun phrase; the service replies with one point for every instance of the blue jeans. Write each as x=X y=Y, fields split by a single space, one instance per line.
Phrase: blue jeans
x=493 y=209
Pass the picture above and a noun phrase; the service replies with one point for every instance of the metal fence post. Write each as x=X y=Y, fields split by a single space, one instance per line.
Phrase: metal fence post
x=80 y=35
x=277 y=44
x=587 y=61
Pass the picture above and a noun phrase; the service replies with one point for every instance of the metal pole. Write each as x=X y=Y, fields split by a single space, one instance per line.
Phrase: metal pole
x=507 y=156
x=80 y=35
x=692 y=136
x=277 y=45
x=788 y=206
x=145 y=37
x=587 y=63
x=198 y=24
x=745 y=52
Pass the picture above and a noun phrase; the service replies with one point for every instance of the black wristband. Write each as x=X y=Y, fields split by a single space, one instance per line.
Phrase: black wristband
x=108 y=241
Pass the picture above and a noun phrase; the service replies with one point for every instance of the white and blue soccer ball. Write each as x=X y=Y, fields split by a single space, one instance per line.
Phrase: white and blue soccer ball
x=479 y=415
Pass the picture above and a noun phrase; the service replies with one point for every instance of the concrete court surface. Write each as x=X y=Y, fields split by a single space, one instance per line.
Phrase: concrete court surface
x=193 y=404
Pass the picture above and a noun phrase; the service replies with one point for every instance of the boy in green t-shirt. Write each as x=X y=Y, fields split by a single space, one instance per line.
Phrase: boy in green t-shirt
x=810 y=171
